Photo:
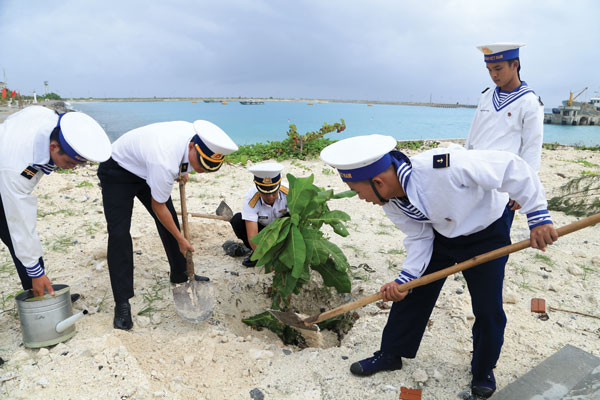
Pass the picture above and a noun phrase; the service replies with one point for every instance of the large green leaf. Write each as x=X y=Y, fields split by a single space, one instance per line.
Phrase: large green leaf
x=294 y=252
x=342 y=195
x=269 y=236
x=336 y=255
x=332 y=277
x=301 y=192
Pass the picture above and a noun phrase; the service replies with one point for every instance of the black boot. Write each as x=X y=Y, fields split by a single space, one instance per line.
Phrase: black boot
x=123 y=316
x=248 y=262
x=484 y=387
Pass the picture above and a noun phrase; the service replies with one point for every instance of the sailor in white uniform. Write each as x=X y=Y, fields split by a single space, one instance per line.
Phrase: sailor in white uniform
x=509 y=117
x=450 y=204
x=263 y=203
x=33 y=142
x=145 y=163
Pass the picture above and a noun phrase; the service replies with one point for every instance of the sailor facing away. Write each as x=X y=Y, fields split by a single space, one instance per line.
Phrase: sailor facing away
x=33 y=142
x=450 y=204
x=145 y=163
x=263 y=203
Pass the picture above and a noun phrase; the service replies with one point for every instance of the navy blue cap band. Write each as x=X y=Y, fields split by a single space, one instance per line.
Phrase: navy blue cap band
x=368 y=171
x=502 y=56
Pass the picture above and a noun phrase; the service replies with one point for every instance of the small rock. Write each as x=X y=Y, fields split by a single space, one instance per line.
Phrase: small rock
x=580 y=254
x=437 y=375
x=287 y=352
x=43 y=352
x=420 y=376
x=344 y=357
x=100 y=265
x=142 y=321
x=459 y=291
x=138 y=252
x=596 y=261
x=84 y=198
x=256 y=394
x=391 y=388
x=257 y=354
x=574 y=270
x=509 y=297
x=156 y=319
x=43 y=382
x=188 y=359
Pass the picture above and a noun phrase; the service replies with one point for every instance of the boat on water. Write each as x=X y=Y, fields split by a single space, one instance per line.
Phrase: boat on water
x=251 y=102
x=575 y=112
x=210 y=101
x=224 y=102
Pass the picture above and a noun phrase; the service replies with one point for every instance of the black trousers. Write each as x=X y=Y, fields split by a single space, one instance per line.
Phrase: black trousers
x=239 y=227
x=119 y=188
x=408 y=318
x=5 y=237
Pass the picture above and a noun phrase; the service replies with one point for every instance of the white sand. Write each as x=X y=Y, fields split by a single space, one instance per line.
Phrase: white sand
x=166 y=357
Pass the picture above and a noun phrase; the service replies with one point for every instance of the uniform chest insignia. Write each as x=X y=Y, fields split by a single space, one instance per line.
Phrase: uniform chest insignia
x=509 y=114
x=29 y=172
x=485 y=90
x=441 y=160
x=183 y=167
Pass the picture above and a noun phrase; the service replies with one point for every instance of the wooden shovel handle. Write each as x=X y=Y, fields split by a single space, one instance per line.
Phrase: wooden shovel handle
x=425 y=279
x=186 y=231
x=222 y=218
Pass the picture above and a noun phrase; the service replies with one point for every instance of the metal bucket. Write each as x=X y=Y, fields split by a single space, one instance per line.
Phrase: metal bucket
x=47 y=320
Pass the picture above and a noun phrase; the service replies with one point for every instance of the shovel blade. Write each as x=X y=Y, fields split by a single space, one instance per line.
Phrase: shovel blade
x=224 y=210
x=292 y=319
x=194 y=301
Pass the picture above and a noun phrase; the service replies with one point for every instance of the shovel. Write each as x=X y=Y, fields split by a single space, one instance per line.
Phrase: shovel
x=194 y=301
x=223 y=213
x=292 y=319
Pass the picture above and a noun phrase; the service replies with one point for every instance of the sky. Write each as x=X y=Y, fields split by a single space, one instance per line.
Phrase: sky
x=329 y=49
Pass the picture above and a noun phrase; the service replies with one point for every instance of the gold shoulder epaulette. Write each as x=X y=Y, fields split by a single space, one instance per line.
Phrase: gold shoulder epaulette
x=254 y=199
x=284 y=190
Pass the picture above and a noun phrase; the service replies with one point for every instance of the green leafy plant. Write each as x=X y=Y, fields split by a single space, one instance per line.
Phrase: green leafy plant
x=85 y=184
x=292 y=246
x=311 y=145
x=300 y=141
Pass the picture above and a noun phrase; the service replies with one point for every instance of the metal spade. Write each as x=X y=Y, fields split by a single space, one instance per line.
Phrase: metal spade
x=194 y=301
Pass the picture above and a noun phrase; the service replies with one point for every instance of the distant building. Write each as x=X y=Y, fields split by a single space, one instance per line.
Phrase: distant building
x=2 y=85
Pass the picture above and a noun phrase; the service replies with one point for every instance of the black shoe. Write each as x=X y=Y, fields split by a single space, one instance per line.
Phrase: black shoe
x=379 y=362
x=75 y=297
x=249 y=263
x=123 y=316
x=485 y=387
x=180 y=278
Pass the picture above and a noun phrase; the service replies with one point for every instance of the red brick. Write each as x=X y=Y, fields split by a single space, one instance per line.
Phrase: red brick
x=538 y=306
x=410 y=394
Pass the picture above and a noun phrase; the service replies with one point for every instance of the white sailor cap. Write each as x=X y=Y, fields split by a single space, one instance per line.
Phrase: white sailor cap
x=82 y=138
x=267 y=176
x=360 y=157
x=500 y=51
x=212 y=145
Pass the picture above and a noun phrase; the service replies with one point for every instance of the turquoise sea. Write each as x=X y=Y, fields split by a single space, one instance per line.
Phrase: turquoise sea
x=247 y=124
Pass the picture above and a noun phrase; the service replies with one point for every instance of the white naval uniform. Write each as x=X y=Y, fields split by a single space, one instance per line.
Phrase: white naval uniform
x=156 y=153
x=24 y=141
x=254 y=209
x=461 y=199
x=515 y=124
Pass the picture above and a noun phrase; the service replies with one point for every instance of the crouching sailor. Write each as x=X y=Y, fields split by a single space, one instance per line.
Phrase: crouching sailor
x=33 y=142
x=450 y=204
x=144 y=164
x=264 y=202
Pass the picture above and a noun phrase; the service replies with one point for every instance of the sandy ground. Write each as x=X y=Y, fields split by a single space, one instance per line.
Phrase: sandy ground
x=164 y=356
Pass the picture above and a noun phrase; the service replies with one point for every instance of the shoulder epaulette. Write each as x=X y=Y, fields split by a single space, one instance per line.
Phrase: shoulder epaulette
x=254 y=199
x=540 y=100
x=29 y=172
x=284 y=190
x=485 y=90
x=441 y=160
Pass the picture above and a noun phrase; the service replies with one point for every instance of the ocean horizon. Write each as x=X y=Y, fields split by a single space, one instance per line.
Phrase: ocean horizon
x=249 y=124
